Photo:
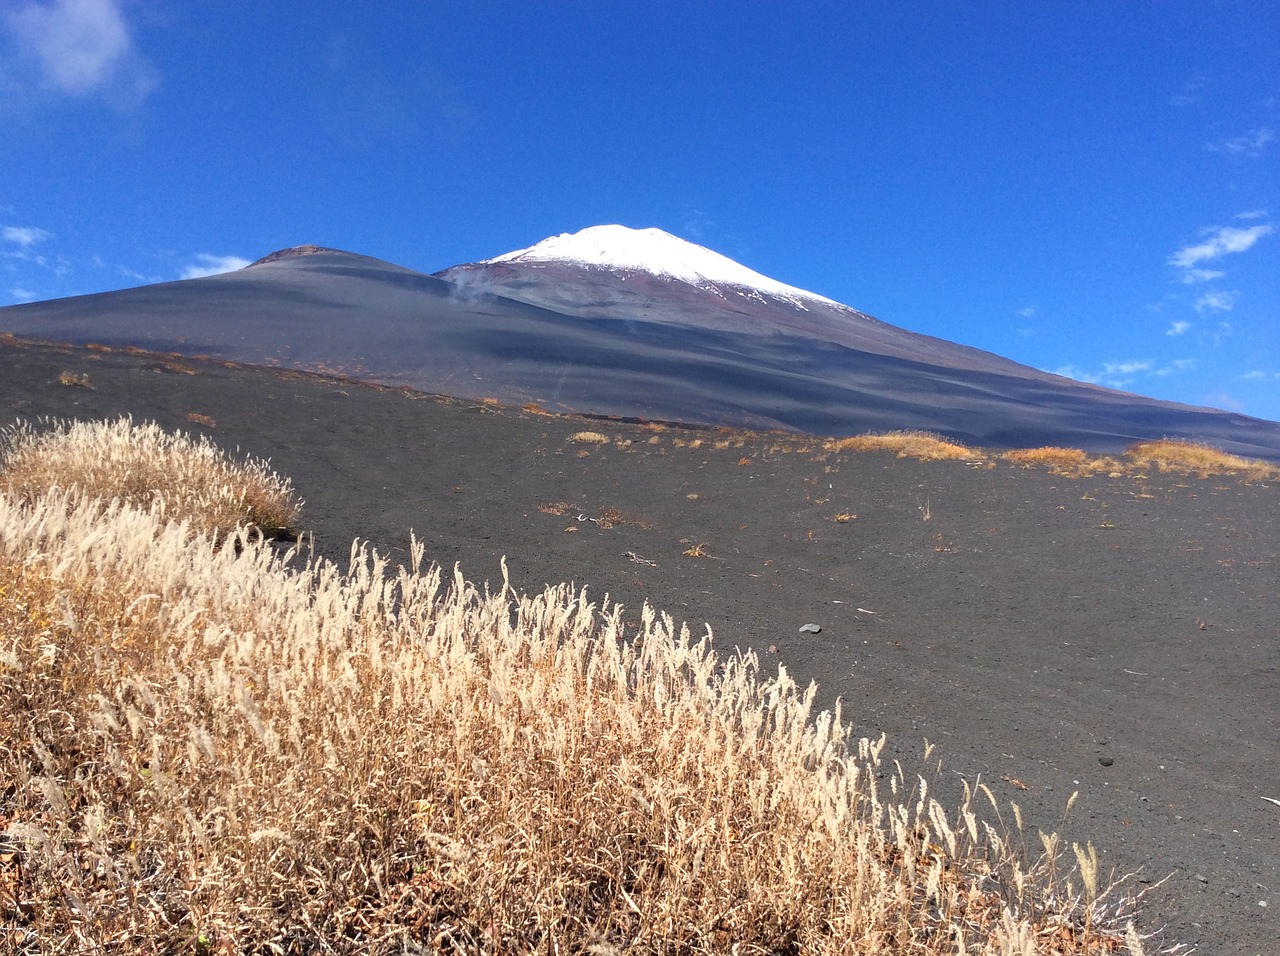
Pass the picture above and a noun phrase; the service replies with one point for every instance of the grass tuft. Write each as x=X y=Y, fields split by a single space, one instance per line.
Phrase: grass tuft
x=78 y=379
x=910 y=443
x=1203 y=460
x=1071 y=462
x=590 y=438
x=141 y=465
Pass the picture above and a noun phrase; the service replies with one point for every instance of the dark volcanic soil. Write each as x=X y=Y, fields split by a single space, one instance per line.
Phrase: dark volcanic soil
x=1031 y=627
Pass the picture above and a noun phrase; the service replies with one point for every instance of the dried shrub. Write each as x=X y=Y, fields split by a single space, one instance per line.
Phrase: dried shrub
x=909 y=443
x=589 y=438
x=76 y=379
x=1072 y=458
x=1203 y=460
x=190 y=478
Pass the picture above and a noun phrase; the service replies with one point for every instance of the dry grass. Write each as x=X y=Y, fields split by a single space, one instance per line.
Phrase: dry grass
x=190 y=479
x=1071 y=462
x=78 y=379
x=590 y=438
x=1203 y=460
x=906 y=444
x=212 y=750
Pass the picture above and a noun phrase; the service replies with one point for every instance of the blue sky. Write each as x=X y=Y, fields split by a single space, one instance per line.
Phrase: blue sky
x=1087 y=187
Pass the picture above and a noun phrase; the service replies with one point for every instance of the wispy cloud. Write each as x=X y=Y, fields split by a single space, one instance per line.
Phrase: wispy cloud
x=24 y=236
x=1120 y=374
x=1177 y=328
x=1028 y=312
x=1177 y=365
x=1257 y=375
x=1190 y=92
x=20 y=294
x=1251 y=143
x=76 y=48
x=1079 y=374
x=1217 y=301
x=211 y=265
x=1127 y=368
x=1192 y=276
x=1222 y=241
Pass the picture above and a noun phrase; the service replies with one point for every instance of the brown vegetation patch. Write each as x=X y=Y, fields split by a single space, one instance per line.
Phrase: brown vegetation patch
x=141 y=465
x=910 y=443
x=77 y=379
x=1203 y=460
x=590 y=438
x=1071 y=462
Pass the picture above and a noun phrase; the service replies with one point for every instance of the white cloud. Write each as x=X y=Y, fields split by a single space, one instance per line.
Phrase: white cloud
x=24 y=235
x=1256 y=375
x=1177 y=328
x=1070 y=371
x=1127 y=368
x=1192 y=276
x=22 y=295
x=1251 y=143
x=79 y=48
x=1225 y=240
x=1177 y=365
x=1217 y=301
x=1222 y=241
x=210 y=265
x=1251 y=214
x=1028 y=312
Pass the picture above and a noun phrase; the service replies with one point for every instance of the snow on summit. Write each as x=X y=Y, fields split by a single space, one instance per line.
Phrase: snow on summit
x=656 y=252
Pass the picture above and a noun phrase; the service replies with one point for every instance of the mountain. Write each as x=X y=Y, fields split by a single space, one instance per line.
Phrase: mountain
x=647 y=275
x=632 y=323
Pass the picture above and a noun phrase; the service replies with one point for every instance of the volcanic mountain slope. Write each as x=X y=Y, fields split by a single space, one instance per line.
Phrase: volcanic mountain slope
x=647 y=275
x=632 y=323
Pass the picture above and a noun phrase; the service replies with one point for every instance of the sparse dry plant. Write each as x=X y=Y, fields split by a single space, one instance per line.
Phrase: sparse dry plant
x=190 y=478
x=589 y=438
x=1055 y=457
x=78 y=379
x=1203 y=460
x=1070 y=462
x=910 y=443
x=213 y=749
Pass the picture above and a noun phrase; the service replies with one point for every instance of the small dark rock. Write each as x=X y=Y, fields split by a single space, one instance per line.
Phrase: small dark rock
x=1106 y=761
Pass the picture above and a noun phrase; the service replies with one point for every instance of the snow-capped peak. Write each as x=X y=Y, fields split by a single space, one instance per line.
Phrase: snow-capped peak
x=656 y=252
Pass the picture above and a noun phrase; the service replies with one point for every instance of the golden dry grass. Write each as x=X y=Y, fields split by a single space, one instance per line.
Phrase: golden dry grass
x=590 y=438
x=1203 y=460
x=80 y=379
x=191 y=479
x=215 y=750
x=909 y=443
x=1072 y=462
